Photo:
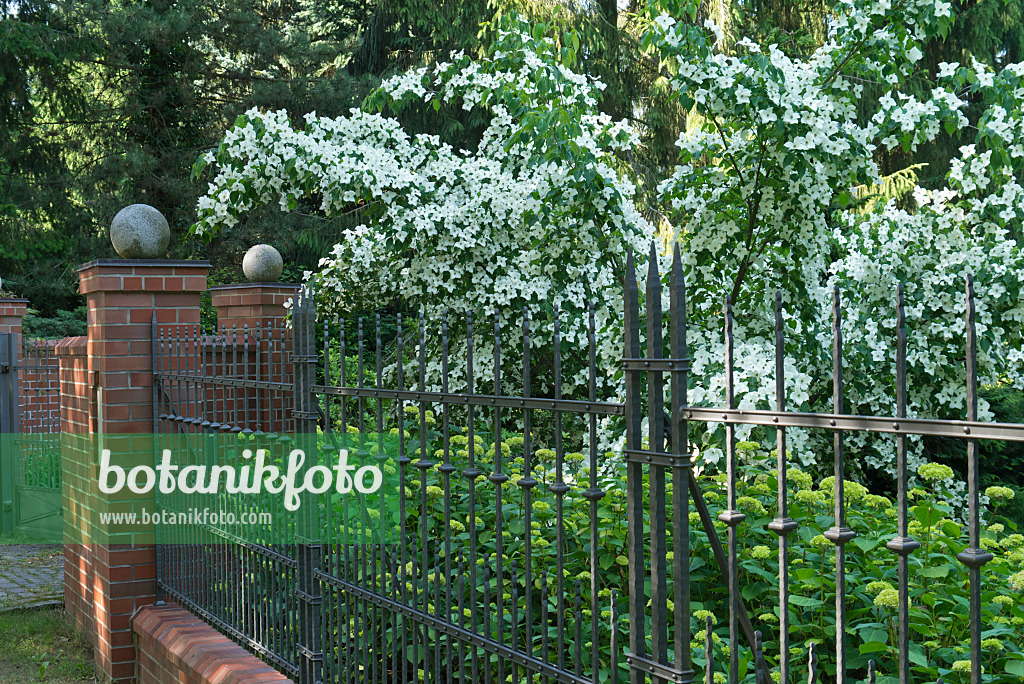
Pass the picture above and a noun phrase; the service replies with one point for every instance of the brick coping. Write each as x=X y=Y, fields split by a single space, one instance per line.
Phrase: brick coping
x=13 y=300
x=197 y=263
x=174 y=637
x=72 y=346
x=243 y=286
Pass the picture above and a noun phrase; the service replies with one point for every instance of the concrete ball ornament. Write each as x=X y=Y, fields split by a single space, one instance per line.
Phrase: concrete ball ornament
x=140 y=232
x=262 y=264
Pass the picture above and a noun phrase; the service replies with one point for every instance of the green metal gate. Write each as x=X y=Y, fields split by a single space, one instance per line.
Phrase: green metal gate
x=30 y=468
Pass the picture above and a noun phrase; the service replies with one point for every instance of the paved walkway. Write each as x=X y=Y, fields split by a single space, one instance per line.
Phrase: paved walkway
x=31 y=575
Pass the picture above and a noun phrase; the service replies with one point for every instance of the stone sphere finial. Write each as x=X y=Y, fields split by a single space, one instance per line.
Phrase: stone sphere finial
x=140 y=232
x=262 y=264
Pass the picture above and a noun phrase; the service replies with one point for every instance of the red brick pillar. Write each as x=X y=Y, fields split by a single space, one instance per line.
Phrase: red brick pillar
x=259 y=309
x=12 y=310
x=109 y=576
x=251 y=303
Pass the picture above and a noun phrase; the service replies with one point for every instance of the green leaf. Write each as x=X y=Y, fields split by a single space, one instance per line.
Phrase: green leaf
x=1015 y=667
x=937 y=571
x=805 y=601
x=927 y=514
x=873 y=647
x=865 y=543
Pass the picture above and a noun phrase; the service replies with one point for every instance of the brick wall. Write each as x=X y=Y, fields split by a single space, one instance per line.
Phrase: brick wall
x=176 y=647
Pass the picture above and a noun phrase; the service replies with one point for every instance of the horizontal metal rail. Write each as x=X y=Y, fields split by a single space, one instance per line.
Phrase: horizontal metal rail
x=960 y=429
x=567 y=405
x=489 y=645
x=226 y=382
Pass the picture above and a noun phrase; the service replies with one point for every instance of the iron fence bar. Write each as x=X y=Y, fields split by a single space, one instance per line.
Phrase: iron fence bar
x=233 y=382
x=498 y=478
x=731 y=516
x=634 y=474
x=378 y=617
x=709 y=653
x=656 y=472
x=424 y=465
x=527 y=483
x=309 y=643
x=559 y=488
x=974 y=557
x=593 y=494
x=782 y=525
x=471 y=473
x=902 y=544
x=680 y=493
x=403 y=461
x=839 y=534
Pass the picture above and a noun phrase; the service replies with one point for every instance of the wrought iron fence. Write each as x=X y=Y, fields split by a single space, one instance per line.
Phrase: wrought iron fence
x=210 y=384
x=493 y=568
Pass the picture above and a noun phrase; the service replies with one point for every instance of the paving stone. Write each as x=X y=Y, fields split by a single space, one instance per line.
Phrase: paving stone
x=31 y=575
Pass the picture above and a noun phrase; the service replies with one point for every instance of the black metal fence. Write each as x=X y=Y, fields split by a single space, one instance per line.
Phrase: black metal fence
x=496 y=567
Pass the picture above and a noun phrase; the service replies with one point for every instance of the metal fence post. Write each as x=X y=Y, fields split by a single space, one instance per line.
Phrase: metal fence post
x=304 y=358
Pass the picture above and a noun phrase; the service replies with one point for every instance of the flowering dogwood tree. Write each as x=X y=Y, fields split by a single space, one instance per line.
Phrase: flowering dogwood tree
x=535 y=217
x=539 y=213
x=779 y=142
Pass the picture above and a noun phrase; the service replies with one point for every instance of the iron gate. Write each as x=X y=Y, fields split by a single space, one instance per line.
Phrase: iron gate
x=30 y=479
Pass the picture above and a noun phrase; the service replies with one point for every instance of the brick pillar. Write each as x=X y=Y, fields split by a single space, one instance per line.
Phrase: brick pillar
x=12 y=310
x=251 y=303
x=109 y=576
x=261 y=307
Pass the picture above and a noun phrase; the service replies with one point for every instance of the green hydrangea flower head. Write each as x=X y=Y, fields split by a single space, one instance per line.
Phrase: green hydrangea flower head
x=877 y=587
x=852 y=491
x=992 y=644
x=760 y=552
x=875 y=501
x=703 y=615
x=998 y=493
x=799 y=478
x=810 y=496
x=750 y=505
x=888 y=598
x=935 y=472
